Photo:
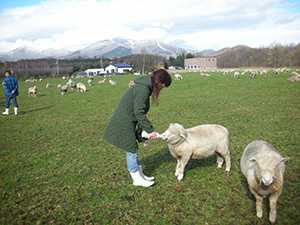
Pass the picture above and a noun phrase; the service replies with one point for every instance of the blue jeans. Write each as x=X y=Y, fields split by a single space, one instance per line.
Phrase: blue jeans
x=132 y=161
x=7 y=100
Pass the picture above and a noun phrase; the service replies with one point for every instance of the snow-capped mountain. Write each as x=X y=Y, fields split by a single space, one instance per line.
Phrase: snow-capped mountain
x=121 y=47
x=108 y=48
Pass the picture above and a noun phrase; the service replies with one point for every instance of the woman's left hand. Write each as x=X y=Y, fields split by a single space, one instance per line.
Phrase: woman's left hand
x=152 y=135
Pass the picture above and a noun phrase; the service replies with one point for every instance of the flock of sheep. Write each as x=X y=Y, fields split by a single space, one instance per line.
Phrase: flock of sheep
x=261 y=164
x=32 y=91
x=294 y=76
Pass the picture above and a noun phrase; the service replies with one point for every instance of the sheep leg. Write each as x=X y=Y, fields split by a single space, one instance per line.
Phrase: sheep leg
x=273 y=200
x=259 y=199
x=183 y=162
x=220 y=160
x=227 y=160
x=177 y=167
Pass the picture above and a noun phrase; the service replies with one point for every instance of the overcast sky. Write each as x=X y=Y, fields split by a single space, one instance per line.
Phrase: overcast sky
x=190 y=24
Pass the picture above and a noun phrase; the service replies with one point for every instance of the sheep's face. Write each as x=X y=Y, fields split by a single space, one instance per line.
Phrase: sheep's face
x=174 y=133
x=267 y=170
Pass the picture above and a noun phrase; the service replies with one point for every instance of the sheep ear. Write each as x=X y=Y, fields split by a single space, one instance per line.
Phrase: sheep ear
x=284 y=159
x=253 y=160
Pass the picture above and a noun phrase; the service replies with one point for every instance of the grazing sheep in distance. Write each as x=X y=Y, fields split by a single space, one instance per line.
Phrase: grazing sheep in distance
x=81 y=87
x=113 y=82
x=276 y=72
x=263 y=166
x=197 y=142
x=63 y=89
x=71 y=84
x=64 y=77
x=253 y=73
x=225 y=73
x=131 y=83
x=29 y=81
x=102 y=81
x=264 y=72
x=177 y=76
x=48 y=85
x=90 y=81
x=236 y=75
x=294 y=77
x=32 y=91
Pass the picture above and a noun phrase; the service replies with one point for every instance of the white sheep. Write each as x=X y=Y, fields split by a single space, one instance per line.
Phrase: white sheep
x=253 y=73
x=177 y=76
x=102 y=81
x=276 y=72
x=48 y=85
x=294 y=77
x=131 y=83
x=32 y=91
x=236 y=75
x=90 y=82
x=264 y=72
x=81 y=87
x=113 y=82
x=63 y=89
x=29 y=81
x=197 y=142
x=263 y=166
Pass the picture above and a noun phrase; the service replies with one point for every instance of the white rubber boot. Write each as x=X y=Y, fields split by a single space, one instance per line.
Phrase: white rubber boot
x=6 y=111
x=143 y=176
x=16 y=110
x=138 y=180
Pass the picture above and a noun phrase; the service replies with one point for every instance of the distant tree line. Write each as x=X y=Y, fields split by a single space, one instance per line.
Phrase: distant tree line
x=275 y=55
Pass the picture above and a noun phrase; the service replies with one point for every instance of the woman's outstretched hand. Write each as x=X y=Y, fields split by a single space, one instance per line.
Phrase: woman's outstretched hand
x=152 y=135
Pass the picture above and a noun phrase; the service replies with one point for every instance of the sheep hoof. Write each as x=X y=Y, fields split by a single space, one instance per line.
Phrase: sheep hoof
x=180 y=177
x=227 y=170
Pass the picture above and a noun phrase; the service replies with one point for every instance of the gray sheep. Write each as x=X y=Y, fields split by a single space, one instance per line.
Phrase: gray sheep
x=263 y=166
x=197 y=142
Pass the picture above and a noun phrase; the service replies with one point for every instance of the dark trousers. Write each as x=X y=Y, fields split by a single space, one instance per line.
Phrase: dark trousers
x=7 y=100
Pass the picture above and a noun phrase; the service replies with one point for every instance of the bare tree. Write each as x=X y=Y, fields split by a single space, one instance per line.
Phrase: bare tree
x=276 y=52
x=144 y=59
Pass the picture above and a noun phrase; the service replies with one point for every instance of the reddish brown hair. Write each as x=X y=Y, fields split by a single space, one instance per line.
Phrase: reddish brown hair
x=160 y=78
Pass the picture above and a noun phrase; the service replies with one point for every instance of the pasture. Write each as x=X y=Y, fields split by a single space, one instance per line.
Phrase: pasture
x=55 y=168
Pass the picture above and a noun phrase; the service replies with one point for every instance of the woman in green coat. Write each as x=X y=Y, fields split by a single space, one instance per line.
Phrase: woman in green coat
x=130 y=111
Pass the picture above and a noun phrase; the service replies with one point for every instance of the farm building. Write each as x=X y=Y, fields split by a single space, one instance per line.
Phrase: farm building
x=200 y=63
x=118 y=68
x=94 y=72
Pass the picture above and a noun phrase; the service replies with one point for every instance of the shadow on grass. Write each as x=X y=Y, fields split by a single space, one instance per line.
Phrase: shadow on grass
x=34 y=110
x=163 y=156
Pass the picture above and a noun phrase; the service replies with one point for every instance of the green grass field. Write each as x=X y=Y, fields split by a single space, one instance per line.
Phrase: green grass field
x=55 y=168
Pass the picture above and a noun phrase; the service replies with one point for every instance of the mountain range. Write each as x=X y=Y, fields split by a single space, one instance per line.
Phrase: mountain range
x=116 y=47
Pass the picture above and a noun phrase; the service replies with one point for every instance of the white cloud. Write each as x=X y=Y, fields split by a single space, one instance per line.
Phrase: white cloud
x=199 y=24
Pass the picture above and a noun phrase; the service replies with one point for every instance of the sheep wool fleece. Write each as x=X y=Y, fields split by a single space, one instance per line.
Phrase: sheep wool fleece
x=131 y=110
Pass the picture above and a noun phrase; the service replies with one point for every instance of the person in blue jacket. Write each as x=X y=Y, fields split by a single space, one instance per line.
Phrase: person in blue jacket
x=11 y=92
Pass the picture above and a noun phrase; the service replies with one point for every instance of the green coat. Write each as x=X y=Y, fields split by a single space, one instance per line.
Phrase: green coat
x=131 y=110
